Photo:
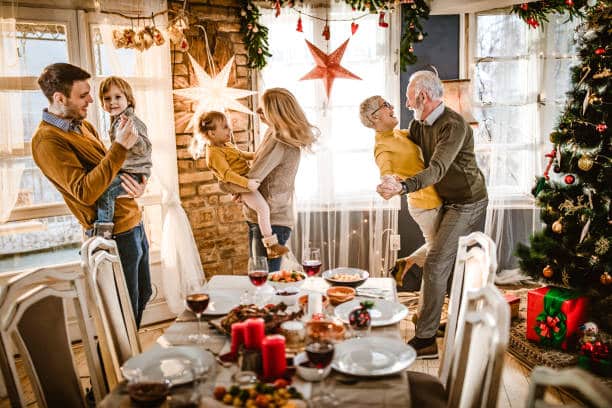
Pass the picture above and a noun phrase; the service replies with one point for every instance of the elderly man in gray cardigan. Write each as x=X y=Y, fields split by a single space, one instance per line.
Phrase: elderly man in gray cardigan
x=447 y=143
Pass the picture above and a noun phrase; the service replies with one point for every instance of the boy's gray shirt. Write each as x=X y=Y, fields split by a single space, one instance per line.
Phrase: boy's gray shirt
x=138 y=159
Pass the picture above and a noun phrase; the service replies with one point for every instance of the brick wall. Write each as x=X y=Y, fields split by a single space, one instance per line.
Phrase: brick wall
x=218 y=224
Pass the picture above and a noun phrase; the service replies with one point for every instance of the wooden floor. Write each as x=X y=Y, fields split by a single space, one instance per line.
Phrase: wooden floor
x=515 y=381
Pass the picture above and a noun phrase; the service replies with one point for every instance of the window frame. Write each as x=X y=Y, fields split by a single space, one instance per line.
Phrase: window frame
x=80 y=49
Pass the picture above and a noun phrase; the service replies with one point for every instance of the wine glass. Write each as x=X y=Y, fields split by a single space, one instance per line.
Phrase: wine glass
x=321 y=336
x=311 y=261
x=196 y=299
x=258 y=274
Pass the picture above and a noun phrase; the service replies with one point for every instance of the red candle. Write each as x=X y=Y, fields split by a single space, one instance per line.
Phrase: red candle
x=254 y=334
x=273 y=357
x=238 y=332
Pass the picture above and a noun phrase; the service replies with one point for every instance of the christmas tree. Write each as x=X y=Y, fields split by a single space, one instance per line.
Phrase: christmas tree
x=573 y=250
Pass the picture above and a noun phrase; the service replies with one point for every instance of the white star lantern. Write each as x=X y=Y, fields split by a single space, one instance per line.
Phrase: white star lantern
x=212 y=93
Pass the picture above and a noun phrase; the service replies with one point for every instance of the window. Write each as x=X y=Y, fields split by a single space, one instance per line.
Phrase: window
x=342 y=170
x=519 y=82
x=38 y=228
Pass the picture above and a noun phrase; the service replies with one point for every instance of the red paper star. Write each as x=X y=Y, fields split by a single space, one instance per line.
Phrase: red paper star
x=328 y=66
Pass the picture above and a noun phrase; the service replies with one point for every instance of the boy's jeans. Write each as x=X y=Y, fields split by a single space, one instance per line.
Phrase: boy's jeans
x=106 y=203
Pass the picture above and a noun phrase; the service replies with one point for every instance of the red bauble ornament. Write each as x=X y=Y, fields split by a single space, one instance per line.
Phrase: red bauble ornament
x=569 y=179
x=524 y=6
x=600 y=51
x=548 y=272
x=601 y=127
x=570 y=3
x=532 y=22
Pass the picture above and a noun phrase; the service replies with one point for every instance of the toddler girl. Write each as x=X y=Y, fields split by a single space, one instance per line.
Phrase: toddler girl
x=229 y=164
x=117 y=99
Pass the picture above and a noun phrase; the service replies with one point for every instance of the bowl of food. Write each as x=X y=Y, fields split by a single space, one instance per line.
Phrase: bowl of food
x=286 y=279
x=340 y=294
x=288 y=295
x=352 y=277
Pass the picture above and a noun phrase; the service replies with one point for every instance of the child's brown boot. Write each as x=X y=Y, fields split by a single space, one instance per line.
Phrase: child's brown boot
x=273 y=248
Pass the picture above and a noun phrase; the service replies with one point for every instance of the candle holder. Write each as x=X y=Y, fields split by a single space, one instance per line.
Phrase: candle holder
x=250 y=360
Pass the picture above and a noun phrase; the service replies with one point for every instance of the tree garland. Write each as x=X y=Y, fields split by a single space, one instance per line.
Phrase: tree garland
x=535 y=13
x=255 y=34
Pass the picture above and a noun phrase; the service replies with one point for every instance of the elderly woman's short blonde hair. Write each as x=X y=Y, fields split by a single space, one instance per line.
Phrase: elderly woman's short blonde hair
x=366 y=108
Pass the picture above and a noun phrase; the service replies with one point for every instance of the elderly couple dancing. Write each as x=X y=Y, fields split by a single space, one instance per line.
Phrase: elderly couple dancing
x=433 y=163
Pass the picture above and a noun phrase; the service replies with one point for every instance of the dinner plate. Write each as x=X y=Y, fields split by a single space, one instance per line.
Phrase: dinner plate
x=383 y=312
x=373 y=356
x=173 y=364
x=221 y=304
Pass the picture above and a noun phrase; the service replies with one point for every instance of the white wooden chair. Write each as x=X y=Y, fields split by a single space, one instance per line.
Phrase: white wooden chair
x=114 y=317
x=33 y=324
x=477 y=361
x=475 y=267
x=590 y=387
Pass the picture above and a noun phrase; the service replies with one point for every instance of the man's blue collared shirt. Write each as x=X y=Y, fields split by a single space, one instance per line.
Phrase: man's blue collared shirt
x=67 y=125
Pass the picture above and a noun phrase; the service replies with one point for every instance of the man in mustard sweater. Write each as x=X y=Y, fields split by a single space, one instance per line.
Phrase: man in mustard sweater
x=69 y=152
x=447 y=143
x=396 y=155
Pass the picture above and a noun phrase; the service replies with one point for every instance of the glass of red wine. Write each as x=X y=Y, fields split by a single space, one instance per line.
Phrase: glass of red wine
x=197 y=299
x=311 y=261
x=320 y=352
x=258 y=274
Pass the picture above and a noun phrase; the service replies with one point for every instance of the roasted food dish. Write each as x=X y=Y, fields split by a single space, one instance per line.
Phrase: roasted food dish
x=273 y=316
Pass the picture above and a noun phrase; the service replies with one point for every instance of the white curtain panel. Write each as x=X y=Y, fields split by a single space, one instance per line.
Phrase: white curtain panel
x=338 y=208
x=11 y=118
x=520 y=77
x=153 y=94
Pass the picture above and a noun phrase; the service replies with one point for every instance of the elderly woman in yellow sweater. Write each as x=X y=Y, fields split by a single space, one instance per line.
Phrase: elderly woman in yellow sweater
x=396 y=155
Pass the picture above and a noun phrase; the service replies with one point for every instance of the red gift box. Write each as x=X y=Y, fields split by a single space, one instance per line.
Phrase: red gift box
x=514 y=302
x=554 y=315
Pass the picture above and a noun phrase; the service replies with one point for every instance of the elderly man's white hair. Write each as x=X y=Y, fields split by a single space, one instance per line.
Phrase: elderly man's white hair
x=428 y=82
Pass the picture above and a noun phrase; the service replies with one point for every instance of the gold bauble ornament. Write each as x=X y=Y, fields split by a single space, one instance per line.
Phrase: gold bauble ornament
x=548 y=272
x=585 y=163
x=605 y=279
x=557 y=226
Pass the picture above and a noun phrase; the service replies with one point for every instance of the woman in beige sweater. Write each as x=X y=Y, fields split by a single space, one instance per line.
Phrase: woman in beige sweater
x=276 y=163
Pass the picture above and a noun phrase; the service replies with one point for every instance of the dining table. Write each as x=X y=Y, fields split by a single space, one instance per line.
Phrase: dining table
x=351 y=391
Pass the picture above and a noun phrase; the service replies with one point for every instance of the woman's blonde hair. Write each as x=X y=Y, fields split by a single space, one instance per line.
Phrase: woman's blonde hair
x=123 y=86
x=287 y=119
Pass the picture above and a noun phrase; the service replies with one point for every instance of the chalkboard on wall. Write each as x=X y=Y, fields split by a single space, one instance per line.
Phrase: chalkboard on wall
x=440 y=49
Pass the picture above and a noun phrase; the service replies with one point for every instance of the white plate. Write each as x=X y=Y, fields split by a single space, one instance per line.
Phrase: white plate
x=373 y=356
x=221 y=304
x=172 y=364
x=383 y=313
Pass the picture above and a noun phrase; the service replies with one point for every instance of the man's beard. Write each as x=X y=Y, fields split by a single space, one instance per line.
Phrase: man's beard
x=71 y=112
x=418 y=111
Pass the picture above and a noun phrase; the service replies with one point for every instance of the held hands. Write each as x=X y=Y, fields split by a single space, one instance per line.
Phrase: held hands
x=132 y=187
x=126 y=133
x=389 y=186
x=253 y=184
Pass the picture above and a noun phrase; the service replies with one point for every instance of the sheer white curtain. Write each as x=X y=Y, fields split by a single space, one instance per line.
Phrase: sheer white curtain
x=153 y=94
x=338 y=208
x=11 y=117
x=520 y=77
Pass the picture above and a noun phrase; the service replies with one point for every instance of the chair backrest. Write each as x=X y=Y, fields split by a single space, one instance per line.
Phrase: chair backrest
x=114 y=317
x=478 y=362
x=33 y=324
x=592 y=390
x=475 y=267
